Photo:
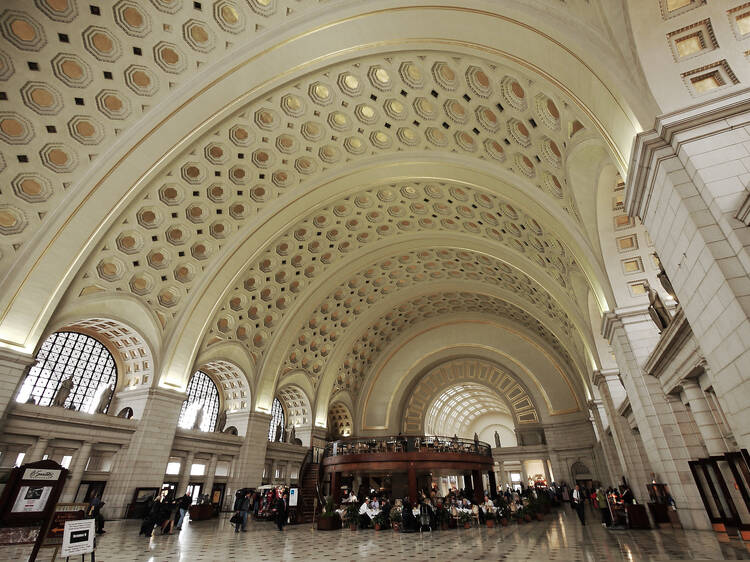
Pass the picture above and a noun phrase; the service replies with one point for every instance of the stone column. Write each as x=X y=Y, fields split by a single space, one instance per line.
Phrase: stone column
x=611 y=460
x=546 y=472
x=524 y=474
x=632 y=338
x=688 y=185
x=693 y=396
x=144 y=462
x=208 y=483
x=502 y=477
x=36 y=453
x=184 y=480
x=634 y=468
x=76 y=473
x=13 y=368
x=248 y=469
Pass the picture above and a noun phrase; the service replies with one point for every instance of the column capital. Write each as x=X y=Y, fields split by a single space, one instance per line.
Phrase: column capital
x=601 y=376
x=671 y=131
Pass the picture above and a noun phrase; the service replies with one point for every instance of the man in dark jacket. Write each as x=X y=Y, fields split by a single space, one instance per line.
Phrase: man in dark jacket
x=183 y=504
x=244 y=507
x=282 y=509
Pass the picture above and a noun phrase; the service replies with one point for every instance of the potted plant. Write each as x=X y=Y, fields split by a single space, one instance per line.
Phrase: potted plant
x=490 y=518
x=329 y=520
x=396 y=517
x=464 y=518
x=380 y=520
x=352 y=515
x=501 y=511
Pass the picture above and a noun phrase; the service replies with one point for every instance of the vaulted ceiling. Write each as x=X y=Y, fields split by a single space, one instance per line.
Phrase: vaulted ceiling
x=277 y=176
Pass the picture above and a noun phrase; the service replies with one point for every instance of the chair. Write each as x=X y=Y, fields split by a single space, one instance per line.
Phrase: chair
x=424 y=518
x=475 y=514
x=454 y=514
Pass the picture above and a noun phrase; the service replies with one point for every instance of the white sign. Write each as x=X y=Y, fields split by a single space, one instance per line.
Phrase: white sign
x=40 y=474
x=293 y=495
x=78 y=537
x=31 y=498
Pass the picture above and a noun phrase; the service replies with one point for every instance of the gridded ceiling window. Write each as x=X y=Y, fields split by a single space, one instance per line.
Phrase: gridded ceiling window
x=454 y=410
x=277 y=418
x=70 y=354
x=202 y=396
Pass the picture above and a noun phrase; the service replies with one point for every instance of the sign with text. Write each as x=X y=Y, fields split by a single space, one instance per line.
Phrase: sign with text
x=41 y=474
x=293 y=496
x=78 y=538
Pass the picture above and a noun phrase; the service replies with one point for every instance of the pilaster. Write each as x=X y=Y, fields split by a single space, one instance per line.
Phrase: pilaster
x=13 y=367
x=248 y=468
x=143 y=463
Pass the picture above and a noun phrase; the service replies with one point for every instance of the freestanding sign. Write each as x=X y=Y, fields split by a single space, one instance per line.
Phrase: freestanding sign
x=28 y=502
x=293 y=497
x=78 y=537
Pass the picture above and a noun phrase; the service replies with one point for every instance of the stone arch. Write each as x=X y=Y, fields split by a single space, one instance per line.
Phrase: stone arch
x=504 y=393
x=296 y=404
x=231 y=382
x=340 y=421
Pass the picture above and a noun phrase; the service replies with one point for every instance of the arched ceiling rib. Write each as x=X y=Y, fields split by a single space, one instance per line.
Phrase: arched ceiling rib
x=360 y=109
x=288 y=266
x=372 y=339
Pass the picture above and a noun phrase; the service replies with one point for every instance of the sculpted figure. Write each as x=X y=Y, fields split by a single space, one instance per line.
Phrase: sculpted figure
x=497 y=439
x=278 y=432
x=658 y=311
x=198 y=419
x=292 y=435
x=221 y=421
x=66 y=387
x=104 y=400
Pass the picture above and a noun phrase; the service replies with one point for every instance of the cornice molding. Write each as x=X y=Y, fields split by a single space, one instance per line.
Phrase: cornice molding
x=650 y=148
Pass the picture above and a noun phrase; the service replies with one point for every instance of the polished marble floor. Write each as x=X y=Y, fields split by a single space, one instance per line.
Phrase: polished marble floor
x=559 y=537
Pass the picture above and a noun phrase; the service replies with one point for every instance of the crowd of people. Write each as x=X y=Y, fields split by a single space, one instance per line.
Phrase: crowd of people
x=272 y=503
x=376 y=507
x=165 y=513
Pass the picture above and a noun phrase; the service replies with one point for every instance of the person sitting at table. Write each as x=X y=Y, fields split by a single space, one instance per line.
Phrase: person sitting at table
x=465 y=503
x=375 y=504
x=408 y=521
x=364 y=517
x=350 y=498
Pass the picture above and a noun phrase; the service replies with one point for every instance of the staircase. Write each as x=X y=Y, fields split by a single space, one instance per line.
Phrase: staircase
x=308 y=491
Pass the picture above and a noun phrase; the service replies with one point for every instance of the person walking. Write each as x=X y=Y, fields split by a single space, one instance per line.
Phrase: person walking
x=282 y=509
x=183 y=504
x=243 y=508
x=577 y=501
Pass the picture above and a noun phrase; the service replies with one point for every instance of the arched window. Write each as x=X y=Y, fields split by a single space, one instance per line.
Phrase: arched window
x=277 y=417
x=201 y=395
x=70 y=354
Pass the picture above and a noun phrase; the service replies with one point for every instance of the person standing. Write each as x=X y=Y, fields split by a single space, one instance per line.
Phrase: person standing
x=183 y=504
x=243 y=508
x=601 y=500
x=96 y=504
x=282 y=508
x=578 y=500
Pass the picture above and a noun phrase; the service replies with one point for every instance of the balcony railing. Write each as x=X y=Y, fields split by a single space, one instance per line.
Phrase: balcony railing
x=406 y=444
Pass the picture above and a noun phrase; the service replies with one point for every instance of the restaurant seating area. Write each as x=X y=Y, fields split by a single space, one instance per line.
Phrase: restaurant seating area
x=407 y=443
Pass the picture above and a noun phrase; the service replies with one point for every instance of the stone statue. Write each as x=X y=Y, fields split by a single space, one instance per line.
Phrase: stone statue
x=497 y=439
x=221 y=421
x=658 y=311
x=278 y=432
x=291 y=435
x=476 y=442
x=198 y=419
x=664 y=280
x=66 y=387
x=31 y=400
x=104 y=400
